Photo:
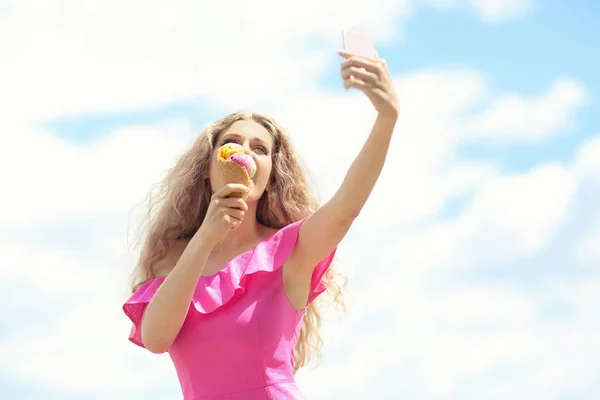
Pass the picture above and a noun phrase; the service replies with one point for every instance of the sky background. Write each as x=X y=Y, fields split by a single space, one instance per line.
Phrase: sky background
x=475 y=267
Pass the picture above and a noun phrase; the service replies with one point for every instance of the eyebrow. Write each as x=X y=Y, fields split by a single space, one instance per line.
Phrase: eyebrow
x=238 y=136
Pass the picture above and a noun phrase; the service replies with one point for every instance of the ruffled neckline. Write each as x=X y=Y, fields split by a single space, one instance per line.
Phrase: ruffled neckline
x=242 y=258
x=214 y=291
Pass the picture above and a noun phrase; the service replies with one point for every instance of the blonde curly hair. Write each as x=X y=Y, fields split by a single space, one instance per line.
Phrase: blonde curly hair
x=173 y=211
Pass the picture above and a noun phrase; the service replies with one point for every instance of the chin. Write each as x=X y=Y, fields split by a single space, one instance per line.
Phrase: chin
x=254 y=195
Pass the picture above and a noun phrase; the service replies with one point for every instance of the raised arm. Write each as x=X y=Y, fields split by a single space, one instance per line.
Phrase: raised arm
x=323 y=231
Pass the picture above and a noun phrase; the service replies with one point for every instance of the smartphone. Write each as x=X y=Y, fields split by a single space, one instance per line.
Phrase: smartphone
x=358 y=42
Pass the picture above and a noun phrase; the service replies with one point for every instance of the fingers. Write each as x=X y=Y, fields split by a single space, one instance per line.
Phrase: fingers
x=231 y=216
x=358 y=73
x=369 y=64
x=352 y=82
x=234 y=214
x=229 y=189
x=361 y=72
x=347 y=55
x=230 y=209
x=232 y=202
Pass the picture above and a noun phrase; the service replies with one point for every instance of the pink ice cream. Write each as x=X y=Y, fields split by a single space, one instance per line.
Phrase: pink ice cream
x=245 y=161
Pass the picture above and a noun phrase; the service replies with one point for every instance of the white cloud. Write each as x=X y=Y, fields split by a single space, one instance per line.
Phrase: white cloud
x=588 y=251
x=520 y=212
x=445 y=4
x=508 y=218
x=588 y=159
x=498 y=10
x=587 y=164
x=513 y=117
x=80 y=339
x=491 y=11
x=85 y=350
x=57 y=180
x=116 y=56
x=448 y=343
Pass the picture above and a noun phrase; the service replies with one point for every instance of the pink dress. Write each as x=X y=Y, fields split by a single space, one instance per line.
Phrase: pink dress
x=237 y=341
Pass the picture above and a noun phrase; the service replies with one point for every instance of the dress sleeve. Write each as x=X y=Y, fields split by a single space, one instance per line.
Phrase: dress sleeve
x=317 y=286
x=136 y=305
x=288 y=241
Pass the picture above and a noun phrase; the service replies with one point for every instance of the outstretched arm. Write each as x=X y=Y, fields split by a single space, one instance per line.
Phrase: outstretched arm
x=323 y=231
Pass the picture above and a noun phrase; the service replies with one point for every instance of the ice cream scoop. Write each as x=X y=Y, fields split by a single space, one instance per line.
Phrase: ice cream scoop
x=228 y=149
x=245 y=161
x=234 y=166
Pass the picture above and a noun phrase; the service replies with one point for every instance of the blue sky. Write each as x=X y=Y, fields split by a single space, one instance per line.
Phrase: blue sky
x=475 y=267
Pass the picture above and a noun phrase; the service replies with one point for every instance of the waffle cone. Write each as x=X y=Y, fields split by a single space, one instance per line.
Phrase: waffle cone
x=230 y=172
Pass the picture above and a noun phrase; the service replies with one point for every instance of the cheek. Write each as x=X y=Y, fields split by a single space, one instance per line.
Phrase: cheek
x=211 y=172
x=212 y=166
x=266 y=169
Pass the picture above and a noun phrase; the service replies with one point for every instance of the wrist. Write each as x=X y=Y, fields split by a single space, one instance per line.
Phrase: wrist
x=389 y=117
x=202 y=242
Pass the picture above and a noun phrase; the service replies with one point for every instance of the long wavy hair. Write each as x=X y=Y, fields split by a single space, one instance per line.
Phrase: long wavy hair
x=176 y=207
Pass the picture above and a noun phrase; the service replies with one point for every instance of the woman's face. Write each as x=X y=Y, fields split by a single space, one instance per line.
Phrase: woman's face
x=258 y=143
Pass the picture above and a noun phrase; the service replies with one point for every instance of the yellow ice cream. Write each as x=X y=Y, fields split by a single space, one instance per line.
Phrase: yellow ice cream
x=228 y=149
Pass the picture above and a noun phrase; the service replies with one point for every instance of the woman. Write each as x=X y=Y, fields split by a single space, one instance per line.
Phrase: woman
x=226 y=285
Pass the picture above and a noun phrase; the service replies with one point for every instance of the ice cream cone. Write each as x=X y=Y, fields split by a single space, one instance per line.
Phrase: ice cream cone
x=233 y=166
x=230 y=172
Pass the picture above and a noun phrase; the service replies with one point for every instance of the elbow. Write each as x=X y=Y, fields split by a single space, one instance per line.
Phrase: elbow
x=342 y=220
x=345 y=207
x=347 y=215
x=154 y=344
x=155 y=347
x=351 y=214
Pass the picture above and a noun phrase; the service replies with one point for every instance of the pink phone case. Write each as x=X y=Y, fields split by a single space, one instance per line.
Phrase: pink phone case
x=359 y=43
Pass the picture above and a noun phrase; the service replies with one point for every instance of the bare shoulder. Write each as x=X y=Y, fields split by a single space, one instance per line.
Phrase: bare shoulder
x=165 y=265
x=267 y=231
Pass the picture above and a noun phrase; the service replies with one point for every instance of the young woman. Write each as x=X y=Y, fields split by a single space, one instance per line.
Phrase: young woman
x=226 y=285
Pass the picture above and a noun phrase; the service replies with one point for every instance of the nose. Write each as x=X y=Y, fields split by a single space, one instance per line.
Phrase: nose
x=246 y=146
